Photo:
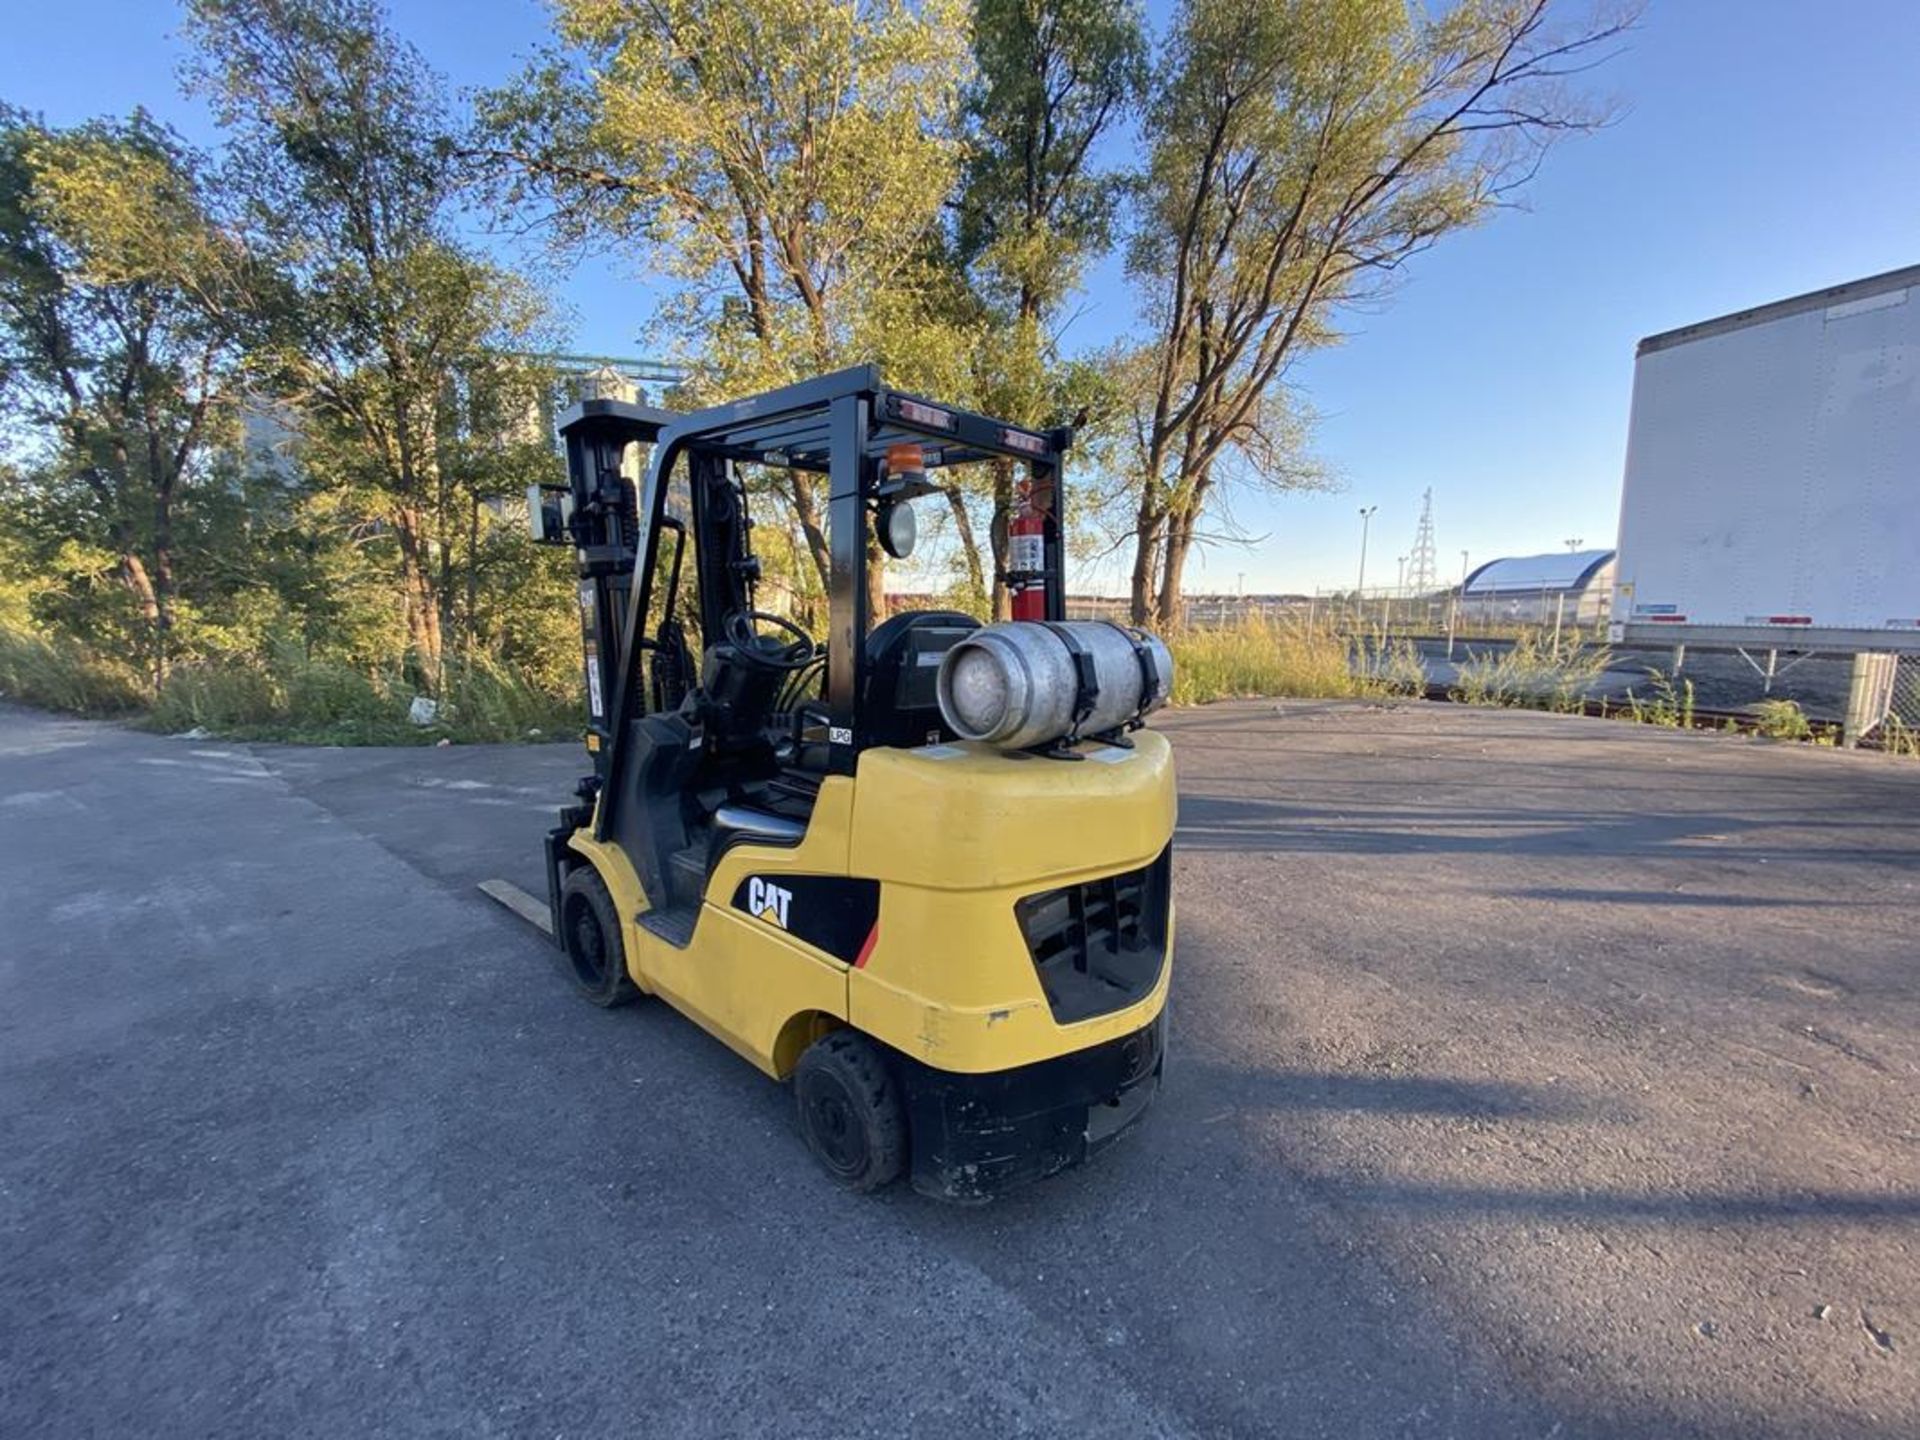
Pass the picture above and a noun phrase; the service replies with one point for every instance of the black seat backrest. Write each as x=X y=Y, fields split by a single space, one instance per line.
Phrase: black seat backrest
x=901 y=705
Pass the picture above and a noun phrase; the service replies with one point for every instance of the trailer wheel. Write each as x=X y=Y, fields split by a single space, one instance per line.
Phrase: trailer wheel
x=850 y=1111
x=596 y=960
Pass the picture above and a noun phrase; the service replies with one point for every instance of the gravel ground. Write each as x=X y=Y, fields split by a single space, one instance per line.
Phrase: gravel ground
x=1532 y=1076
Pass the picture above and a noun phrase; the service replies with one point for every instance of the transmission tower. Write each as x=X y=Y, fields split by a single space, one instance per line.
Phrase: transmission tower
x=1422 y=571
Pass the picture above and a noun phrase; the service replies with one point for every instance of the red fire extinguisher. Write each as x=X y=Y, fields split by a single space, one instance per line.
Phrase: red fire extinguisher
x=1027 y=557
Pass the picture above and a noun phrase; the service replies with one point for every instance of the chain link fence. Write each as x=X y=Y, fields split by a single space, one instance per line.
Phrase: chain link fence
x=1574 y=616
x=1900 y=731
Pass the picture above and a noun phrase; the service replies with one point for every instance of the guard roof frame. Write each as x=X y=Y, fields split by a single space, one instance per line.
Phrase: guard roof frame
x=840 y=425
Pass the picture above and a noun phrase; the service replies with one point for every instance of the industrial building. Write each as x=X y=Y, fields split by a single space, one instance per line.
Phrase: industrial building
x=1572 y=586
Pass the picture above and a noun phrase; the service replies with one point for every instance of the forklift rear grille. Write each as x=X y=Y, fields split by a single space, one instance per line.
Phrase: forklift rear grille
x=1098 y=946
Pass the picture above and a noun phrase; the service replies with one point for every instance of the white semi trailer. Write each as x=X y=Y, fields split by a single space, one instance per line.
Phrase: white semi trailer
x=1772 y=495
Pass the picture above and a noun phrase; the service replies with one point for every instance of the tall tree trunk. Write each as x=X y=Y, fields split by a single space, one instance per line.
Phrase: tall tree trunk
x=446 y=622
x=133 y=573
x=472 y=626
x=1148 y=526
x=422 y=603
x=1002 y=598
x=1182 y=523
x=1179 y=543
x=163 y=585
x=969 y=547
x=876 y=583
x=806 y=509
x=155 y=610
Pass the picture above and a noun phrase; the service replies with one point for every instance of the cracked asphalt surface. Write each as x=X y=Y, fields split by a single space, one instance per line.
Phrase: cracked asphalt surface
x=1532 y=1076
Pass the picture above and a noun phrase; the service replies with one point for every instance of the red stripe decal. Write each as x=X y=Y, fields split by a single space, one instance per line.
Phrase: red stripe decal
x=866 y=949
x=1789 y=619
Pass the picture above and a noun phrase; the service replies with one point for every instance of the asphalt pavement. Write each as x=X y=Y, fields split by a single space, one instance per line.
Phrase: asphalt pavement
x=1531 y=1076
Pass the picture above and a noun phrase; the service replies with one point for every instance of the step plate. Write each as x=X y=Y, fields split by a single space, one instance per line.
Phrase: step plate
x=672 y=923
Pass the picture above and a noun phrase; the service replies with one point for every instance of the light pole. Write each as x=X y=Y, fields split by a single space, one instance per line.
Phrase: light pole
x=1575 y=543
x=1459 y=599
x=1366 y=519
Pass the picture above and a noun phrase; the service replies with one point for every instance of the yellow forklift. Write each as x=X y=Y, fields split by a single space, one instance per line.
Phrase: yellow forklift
x=919 y=869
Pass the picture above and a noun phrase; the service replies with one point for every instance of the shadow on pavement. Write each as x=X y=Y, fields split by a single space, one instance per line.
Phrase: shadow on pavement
x=1836 y=1207
x=1389 y=1094
x=1210 y=822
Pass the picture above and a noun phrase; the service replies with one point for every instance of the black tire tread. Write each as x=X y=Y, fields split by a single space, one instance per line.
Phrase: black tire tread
x=858 y=1064
x=619 y=989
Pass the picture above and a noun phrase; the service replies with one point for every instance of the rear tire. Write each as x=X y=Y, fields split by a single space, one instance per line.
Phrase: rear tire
x=850 y=1112
x=590 y=939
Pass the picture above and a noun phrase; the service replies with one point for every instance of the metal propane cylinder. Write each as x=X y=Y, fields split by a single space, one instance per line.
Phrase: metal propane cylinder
x=1024 y=683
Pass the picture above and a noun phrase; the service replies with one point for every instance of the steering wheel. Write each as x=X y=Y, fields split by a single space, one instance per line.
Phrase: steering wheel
x=743 y=633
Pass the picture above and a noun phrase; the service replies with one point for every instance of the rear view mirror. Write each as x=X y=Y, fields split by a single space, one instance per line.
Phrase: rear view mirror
x=549 y=507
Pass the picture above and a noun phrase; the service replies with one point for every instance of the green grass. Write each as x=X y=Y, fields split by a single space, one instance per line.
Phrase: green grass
x=1261 y=657
x=289 y=697
x=324 y=702
x=304 y=700
x=224 y=698
x=60 y=674
x=1389 y=666
x=1781 y=720
x=313 y=701
x=490 y=702
x=1530 y=674
x=1667 y=707
x=1290 y=658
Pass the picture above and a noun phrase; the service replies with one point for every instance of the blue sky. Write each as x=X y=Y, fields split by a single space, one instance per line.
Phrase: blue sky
x=1764 y=147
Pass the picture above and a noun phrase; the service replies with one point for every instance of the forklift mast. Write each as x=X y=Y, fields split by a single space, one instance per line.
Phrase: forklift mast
x=597 y=513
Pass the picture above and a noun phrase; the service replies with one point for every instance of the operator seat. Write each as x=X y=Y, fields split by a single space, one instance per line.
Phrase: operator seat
x=900 y=704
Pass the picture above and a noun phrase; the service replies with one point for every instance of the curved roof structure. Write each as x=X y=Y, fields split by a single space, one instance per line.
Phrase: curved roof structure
x=1558 y=570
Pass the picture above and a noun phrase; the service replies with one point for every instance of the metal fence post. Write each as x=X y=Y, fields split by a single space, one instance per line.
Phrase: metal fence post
x=1869 y=695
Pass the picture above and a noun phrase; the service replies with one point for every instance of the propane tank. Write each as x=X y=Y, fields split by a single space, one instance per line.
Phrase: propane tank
x=1027 y=557
x=1018 y=684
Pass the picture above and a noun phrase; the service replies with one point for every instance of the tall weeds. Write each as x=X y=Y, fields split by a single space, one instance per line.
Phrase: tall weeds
x=58 y=674
x=327 y=703
x=1531 y=674
x=1668 y=706
x=1261 y=657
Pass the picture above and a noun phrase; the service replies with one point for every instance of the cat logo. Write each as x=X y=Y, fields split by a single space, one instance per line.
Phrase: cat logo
x=768 y=901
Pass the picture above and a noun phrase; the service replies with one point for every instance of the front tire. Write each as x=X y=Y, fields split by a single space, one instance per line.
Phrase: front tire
x=596 y=956
x=850 y=1112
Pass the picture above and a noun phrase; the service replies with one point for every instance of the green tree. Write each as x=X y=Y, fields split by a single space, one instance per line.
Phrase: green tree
x=388 y=341
x=785 y=160
x=118 y=314
x=1301 y=152
x=1053 y=78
